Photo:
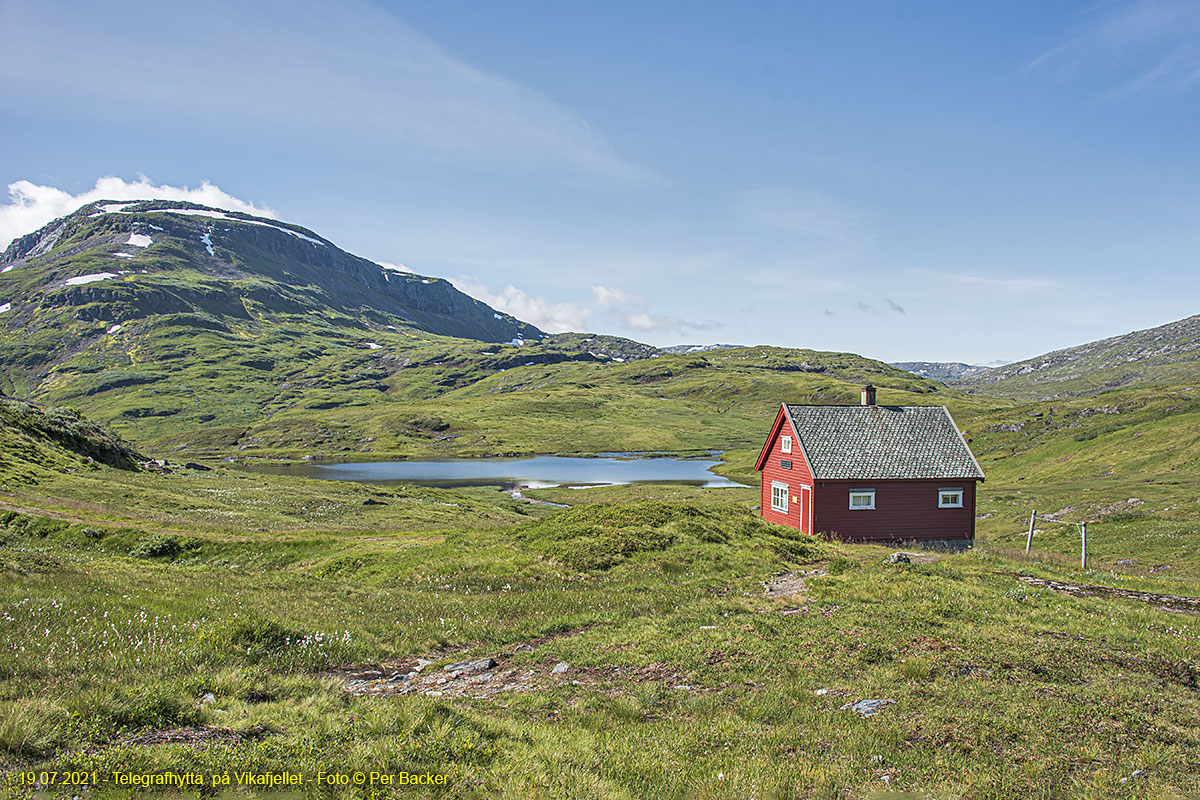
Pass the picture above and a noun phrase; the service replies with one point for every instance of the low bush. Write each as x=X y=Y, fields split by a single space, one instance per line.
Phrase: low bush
x=158 y=545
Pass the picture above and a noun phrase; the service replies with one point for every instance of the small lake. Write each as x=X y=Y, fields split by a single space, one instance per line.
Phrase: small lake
x=537 y=472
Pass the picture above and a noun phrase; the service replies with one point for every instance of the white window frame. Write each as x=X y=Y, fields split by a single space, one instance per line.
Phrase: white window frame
x=870 y=493
x=785 y=444
x=776 y=488
x=959 y=504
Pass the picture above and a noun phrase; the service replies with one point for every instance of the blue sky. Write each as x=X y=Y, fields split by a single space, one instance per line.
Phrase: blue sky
x=908 y=181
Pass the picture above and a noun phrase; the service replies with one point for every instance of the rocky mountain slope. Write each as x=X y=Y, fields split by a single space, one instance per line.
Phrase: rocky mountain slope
x=1165 y=355
x=940 y=370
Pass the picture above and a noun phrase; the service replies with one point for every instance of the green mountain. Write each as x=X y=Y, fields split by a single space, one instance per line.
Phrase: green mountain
x=1162 y=356
x=199 y=331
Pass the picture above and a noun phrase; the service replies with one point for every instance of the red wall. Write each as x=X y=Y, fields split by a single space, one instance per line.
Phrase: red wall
x=797 y=516
x=904 y=511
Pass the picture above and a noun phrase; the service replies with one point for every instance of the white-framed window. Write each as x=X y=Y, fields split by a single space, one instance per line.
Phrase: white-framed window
x=862 y=499
x=950 y=498
x=779 y=497
x=786 y=444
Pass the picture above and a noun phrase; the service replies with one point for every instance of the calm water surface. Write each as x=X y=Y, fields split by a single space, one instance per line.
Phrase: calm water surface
x=511 y=473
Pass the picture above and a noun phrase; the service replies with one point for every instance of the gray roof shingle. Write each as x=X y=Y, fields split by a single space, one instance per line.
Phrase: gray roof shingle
x=882 y=442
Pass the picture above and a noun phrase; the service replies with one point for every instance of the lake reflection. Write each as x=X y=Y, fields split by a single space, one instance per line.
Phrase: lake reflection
x=538 y=472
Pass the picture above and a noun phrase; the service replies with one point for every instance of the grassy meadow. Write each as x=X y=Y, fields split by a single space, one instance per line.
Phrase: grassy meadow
x=219 y=620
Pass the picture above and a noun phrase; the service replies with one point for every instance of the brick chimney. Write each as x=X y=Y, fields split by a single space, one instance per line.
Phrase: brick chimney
x=868 y=395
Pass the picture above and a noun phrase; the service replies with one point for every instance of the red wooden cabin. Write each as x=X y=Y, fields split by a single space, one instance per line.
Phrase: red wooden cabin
x=870 y=473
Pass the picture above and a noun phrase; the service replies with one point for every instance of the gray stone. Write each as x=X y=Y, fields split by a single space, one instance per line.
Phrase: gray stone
x=208 y=699
x=523 y=648
x=868 y=708
x=560 y=668
x=471 y=665
x=899 y=558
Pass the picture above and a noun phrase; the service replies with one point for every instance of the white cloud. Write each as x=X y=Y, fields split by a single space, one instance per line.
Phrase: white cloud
x=31 y=206
x=549 y=316
x=645 y=321
x=1014 y=285
x=609 y=296
x=625 y=309
x=1145 y=46
x=344 y=73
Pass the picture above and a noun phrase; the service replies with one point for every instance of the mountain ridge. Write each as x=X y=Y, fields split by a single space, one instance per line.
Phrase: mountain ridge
x=1164 y=354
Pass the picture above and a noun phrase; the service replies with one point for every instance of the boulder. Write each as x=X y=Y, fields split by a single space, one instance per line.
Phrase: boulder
x=471 y=665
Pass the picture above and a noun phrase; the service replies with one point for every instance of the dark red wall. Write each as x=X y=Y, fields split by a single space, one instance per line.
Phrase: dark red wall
x=797 y=516
x=904 y=511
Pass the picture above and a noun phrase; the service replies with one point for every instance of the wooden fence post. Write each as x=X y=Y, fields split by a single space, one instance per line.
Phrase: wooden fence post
x=1029 y=538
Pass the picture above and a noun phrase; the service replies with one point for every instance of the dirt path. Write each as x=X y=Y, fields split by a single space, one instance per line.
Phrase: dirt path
x=1163 y=602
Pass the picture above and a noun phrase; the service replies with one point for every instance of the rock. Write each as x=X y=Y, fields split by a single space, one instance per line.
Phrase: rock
x=821 y=691
x=868 y=708
x=1126 y=562
x=471 y=665
x=560 y=668
x=899 y=558
x=208 y=699
x=370 y=501
x=523 y=648
x=197 y=467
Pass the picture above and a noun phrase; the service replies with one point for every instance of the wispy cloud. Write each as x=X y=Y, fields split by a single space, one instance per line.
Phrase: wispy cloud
x=1020 y=284
x=889 y=306
x=1145 y=47
x=30 y=206
x=808 y=212
x=340 y=73
x=615 y=306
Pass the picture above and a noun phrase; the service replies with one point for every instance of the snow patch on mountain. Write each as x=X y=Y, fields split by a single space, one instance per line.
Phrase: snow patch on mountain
x=207 y=239
x=5 y=308
x=139 y=240
x=95 y=276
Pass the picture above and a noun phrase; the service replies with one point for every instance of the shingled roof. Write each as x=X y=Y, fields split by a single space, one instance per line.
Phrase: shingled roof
x=882 y=442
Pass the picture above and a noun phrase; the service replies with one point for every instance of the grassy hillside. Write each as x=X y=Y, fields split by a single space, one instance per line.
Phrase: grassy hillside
x=682 y=677
x=38 y=443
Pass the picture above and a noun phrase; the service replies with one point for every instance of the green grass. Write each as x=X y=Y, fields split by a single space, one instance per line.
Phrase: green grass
x=1001 y=690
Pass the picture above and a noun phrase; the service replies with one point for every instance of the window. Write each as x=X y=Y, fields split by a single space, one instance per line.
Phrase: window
x=950 y=498
x=862 y=499
x=786 y=444
x=779 y=497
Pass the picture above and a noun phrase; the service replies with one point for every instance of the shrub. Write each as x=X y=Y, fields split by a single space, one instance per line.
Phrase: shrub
x=159 y=545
